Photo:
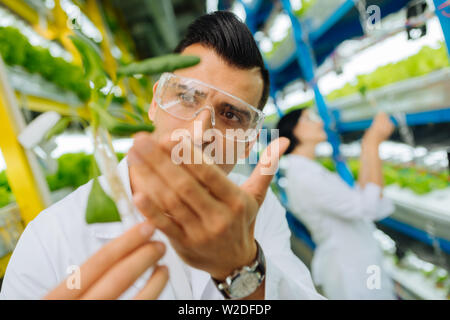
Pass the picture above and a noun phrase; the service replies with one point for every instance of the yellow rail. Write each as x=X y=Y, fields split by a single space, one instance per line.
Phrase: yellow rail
x=4 y=263
x=18 y=170
x=23 y=10
x=43 y=105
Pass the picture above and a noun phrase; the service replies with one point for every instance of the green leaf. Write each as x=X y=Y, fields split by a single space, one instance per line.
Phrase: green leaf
x=16 y=49
x=118 y=127
x=92 y=61
x=5 y=196
x=100 y=207
x=166 y=63
x=123 y=129
x=58 y=128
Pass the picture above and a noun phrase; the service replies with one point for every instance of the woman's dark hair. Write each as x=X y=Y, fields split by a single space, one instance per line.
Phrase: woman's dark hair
x=286 y=127
x=231 y=39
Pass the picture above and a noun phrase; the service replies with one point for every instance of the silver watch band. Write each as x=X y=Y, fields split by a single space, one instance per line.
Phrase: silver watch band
x=258 y=268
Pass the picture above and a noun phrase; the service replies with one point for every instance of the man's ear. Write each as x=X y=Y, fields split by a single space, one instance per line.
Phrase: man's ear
x=152 y=109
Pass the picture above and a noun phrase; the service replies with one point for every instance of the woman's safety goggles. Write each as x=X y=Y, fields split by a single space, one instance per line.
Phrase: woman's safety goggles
x=184 y=98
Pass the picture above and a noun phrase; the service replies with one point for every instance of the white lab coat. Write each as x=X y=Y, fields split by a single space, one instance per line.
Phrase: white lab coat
x=59 y=238
x=340 y=219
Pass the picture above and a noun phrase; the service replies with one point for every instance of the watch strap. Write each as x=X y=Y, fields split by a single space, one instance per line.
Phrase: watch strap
x=258 y=266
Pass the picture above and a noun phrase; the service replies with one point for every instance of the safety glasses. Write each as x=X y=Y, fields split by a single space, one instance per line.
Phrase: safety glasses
x=184 y=98
x=311 y=115
x=314 y=116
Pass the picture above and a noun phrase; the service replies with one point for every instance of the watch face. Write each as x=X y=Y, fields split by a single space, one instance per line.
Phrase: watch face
x=244 y=285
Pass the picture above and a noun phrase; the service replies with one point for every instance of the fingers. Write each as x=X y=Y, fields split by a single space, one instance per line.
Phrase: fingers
x=155 y=284
x=382 y=118
x=122 y=275
x=100 y=262
x=156 y=216
x=202 y=168
x=164 y=198
x=382 y=125
x=257 y=184
x=210 y=175
x=176 y=177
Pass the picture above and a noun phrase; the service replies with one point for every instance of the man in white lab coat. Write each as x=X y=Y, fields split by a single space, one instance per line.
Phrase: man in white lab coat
x=347 y=261
x=217 y=227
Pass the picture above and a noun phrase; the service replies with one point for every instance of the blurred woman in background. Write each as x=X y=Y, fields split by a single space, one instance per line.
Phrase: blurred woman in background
x=347 y=262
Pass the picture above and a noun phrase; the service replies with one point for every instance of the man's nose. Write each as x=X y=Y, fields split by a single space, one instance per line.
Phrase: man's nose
x=202 y=122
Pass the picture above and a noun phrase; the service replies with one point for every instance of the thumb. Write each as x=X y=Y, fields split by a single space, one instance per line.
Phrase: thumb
x=257 y=184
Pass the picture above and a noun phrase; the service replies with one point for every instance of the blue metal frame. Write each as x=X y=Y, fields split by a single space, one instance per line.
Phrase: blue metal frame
x=412 y=119
x=343 y=24
x=443 y=13
x=303 y=234
x=306 y=62
x=299 y=230
x=332 y=20
x=416 y=233
x=339 y=26
x=224 y=4
x=257 y=12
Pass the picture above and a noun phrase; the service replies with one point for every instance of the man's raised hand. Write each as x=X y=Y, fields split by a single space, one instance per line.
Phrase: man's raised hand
x=208 y=219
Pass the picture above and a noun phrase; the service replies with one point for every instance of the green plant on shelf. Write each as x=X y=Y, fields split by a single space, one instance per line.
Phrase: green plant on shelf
x=276 y=45
x=116 y=206
x=16 y=50
x=305 y=5
x=4 y=181
x=103 y=121
x=5 y=197
x=419 y=181
x=299 y=13
x=73 y=171
x=425 y=61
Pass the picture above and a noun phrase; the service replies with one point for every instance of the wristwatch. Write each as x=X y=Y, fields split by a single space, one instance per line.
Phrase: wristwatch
x=243 y=282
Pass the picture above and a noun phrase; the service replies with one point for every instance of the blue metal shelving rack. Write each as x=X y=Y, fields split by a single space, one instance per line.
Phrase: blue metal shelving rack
x=443 y=13
x=312 y=48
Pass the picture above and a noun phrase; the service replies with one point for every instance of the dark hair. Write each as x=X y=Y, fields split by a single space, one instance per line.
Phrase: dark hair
x=231 y=39
x=286 y=127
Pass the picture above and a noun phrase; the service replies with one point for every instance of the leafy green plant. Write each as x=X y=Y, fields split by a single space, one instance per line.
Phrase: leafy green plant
x=16 y=50
x=419 y=181
x=89 y=82
x=73 y=171
x=101 y=206
x=419 y=64
x=5 y=196
x=299 y=13
x=4 y=181
x=306 y=4
x=425 y=61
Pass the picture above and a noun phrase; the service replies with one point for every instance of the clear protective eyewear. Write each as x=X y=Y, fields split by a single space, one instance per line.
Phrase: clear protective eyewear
x=184 y=98
x=314 y=116
x=309 y=114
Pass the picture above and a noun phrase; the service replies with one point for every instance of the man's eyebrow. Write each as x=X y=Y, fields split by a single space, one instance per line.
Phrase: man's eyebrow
x=246 y=113
x=196 y=92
